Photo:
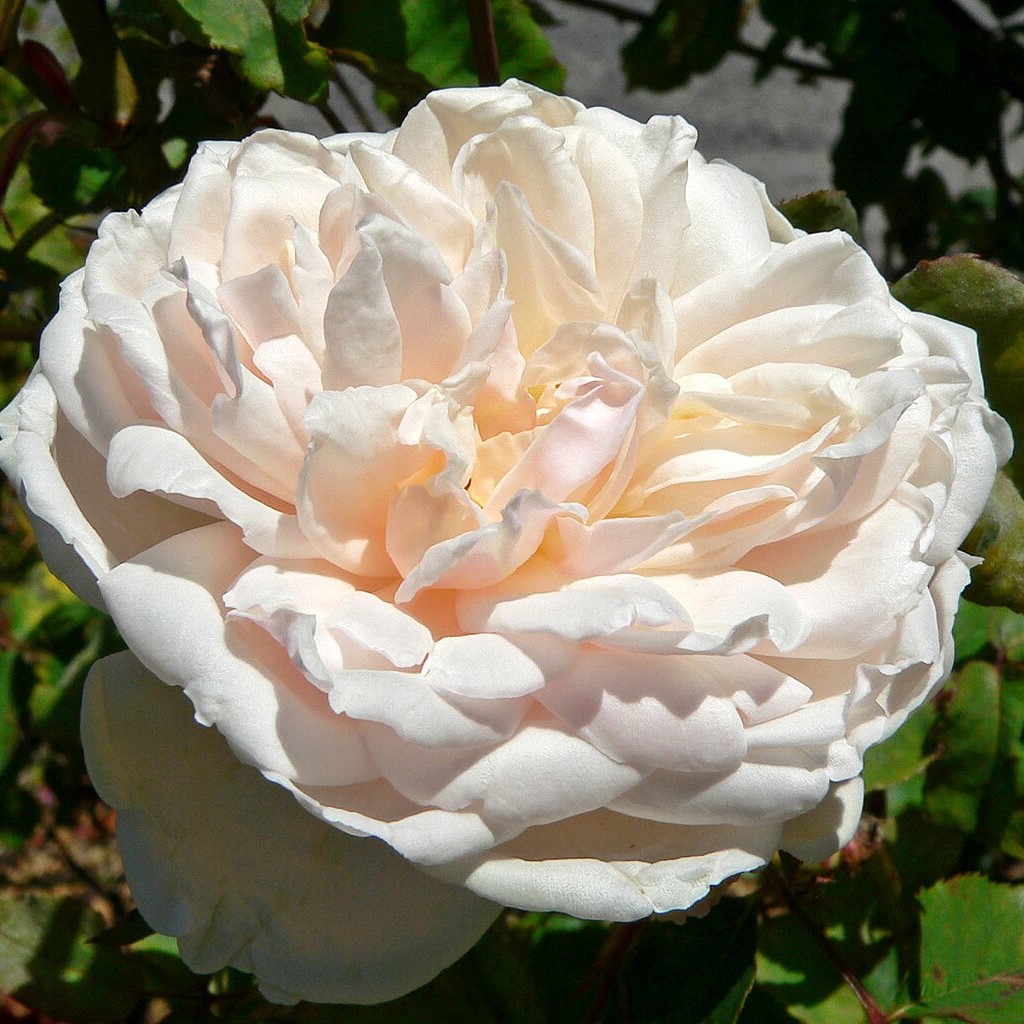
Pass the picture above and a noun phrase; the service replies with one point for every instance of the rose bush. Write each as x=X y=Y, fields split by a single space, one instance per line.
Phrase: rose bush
x=537 y=518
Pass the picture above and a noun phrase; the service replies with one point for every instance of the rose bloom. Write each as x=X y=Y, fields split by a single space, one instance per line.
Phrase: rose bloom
x=531 y=516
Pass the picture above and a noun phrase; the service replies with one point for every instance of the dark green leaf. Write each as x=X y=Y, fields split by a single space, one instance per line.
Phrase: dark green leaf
x=970 y=629
x=679 y=39
x=267 y=36
x=972 y=951
x=659 y=982
x=407 y=47
x=46 y=962
x=1001 y=815
x=73 y=175
x=823 y=210
x=904 y=754
x=440 y=47
x=968 y=733
x=130 y=929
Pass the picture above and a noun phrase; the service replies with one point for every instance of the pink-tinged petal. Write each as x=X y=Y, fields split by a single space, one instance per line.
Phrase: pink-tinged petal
x=660 y=152
x=857 y=338
x=492 y=667
x=816 y=724
x=437 y=128
x=727 y=225
x=82 y=529
x=535 y=159
x=829 y=826
x=261 y=304
x=362 y=335
x=647 y=710
x=588 y=451
x=421 y=518
x=590 y=609
x=822 y=268
x=201 y=213
x=753 y=793
x=549 y=280
x=312 y=278
x=354 y=467
x=542 y=773
x=719 y=602
x=501 y=403
x=646 y=313
x=872 y=565
x=981 y=443
x=278 y=179
x=95 y=386
x=760 y=691
x=357 y=923
x=419 y=714
x=617 y=545
x=487 y=554
x=617 y=208
x=424 y=836
x=421 y=205
x=167 y=603
x=294 y=374
x=152 y=459
x=126 y=256
x=612 y=867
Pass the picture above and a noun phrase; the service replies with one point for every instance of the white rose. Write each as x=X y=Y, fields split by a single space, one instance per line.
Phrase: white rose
x=544 y=520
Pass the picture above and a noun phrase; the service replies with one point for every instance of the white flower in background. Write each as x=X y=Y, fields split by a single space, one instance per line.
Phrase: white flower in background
x=535 y=516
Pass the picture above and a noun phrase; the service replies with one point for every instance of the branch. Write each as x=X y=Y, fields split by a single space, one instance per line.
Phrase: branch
x=485 y=46
x=998 y=55
x=609 y=8
x=804 y=67
x=875 y=1014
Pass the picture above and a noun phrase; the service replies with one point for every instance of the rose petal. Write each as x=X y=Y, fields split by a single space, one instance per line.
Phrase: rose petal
x=356 y=924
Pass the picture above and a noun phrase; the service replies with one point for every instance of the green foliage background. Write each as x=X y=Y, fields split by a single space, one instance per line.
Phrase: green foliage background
x=922 y=915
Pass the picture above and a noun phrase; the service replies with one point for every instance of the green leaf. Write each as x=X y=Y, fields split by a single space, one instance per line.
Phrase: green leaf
x=904 y=754
x=823 y=210
x=408 y=47
x=129 y=929
x=1001 y=814
x=659 y=982
x=267 y=36
x=73 y=175
x=970 y=629
x=681 y=38
x=47 y=963
x=972 y=951
x=990 y=300
x=968 y=733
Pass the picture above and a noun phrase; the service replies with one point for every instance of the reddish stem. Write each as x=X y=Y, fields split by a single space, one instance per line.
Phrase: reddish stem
x=485 y=45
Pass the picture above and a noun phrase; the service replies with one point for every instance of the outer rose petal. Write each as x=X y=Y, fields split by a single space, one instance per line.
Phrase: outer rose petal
x=259 y=884
x=611 y=867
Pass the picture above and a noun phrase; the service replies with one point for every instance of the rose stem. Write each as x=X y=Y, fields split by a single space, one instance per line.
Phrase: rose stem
x=608 y=963
x=485 y=46
x=875 y=1014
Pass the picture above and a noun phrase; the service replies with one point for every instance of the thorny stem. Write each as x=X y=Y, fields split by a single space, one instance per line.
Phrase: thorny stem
x=485 y=46
x=875 y=1014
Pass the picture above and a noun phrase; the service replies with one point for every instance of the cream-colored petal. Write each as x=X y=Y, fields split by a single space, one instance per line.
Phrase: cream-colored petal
x=242 y=876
